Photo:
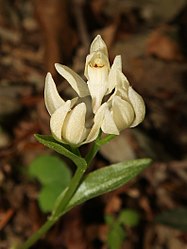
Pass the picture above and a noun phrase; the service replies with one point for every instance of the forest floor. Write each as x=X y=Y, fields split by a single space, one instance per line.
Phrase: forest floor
x=151 y=36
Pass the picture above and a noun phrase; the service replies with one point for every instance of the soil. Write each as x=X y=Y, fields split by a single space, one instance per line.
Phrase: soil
x=151 y=37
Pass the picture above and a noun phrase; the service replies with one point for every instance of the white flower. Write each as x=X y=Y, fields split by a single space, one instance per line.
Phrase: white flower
x=125 y=106
x=68 y=118
x=79 y=120
x=96 y=71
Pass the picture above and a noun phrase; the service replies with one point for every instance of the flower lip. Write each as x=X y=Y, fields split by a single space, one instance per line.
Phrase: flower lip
x=98 y=60
x=97 y=65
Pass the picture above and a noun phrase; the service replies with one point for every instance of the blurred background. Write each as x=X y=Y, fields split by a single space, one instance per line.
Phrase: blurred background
x=151 y=36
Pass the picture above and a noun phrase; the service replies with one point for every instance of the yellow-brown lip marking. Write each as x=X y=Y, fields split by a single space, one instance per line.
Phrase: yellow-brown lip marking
x=98 y=66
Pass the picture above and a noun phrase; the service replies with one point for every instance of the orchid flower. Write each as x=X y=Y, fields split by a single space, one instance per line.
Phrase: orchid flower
x=78 y=121
x=125 y=107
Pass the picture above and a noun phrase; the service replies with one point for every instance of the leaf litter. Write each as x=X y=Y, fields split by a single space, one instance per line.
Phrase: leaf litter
x=152 y=42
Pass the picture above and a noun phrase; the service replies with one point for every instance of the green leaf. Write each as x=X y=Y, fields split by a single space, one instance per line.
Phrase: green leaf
x=97 y=145
x=129 y=217
x=107 y=179
x=51 y=143
x=48 y=169
x=116 y=236
x=48 y=196
x=176 y=218
x=54 y=176
x=116 y=233
x=109 y=219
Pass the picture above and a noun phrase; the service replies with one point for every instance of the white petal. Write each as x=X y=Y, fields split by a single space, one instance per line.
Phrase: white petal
x=96 y=60
x=113 y=79
x=98 y=45
x=138 y=105
x=73 y=130
x=122 y=87
x=97 y=90
x=123 y=113
x=117 y=79
x=51 y=96
x=57 y=120
x=74 y=101
x=108 y=126
x=117 y=66
x=124 y=81
x=117 y=63
x=76 y=82
x=97 y=74
x=98 y=119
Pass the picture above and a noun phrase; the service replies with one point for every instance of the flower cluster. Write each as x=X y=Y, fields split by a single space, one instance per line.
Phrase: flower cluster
x=105 y=102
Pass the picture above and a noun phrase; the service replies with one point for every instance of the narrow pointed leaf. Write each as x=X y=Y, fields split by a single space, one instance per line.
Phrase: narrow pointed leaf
x=107 y=179
x=51 y=143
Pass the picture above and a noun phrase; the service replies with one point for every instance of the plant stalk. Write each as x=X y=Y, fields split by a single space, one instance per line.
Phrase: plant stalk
x=56 y=214
x=59 y=209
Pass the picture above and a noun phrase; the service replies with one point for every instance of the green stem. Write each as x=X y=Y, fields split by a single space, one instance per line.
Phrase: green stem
x=37 y=235
x=75 y=150
x=92 y=152
x=59 y=209
x=69 y=193
x=96 y=147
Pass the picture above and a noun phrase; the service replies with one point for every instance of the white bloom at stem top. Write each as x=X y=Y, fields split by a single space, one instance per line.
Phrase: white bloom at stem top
x=79 y=120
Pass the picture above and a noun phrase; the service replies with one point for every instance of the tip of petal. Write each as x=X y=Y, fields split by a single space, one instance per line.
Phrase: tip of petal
x=98 y=45
x=58 y=66
x=117 y=64
x=49 y=80
x=48 y=76
x=51 y=96
x=76 y=82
